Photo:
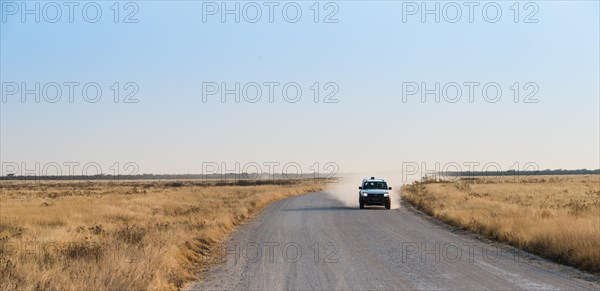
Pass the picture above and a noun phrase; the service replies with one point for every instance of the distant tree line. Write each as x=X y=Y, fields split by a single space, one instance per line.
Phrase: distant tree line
x=266 y=176
x=227 y=177
x=522 y=173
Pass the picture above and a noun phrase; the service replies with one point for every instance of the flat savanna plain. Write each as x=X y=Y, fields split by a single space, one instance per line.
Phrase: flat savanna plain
x=123 y=235
x=556 y=217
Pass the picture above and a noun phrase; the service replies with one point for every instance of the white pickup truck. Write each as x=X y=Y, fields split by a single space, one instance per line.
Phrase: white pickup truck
x=374 y=192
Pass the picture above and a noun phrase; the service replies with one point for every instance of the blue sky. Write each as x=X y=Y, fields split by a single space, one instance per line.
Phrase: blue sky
x=369 y=53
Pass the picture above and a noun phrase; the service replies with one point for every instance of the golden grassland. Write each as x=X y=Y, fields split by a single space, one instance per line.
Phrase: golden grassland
x=122 y=235
x=556 y=217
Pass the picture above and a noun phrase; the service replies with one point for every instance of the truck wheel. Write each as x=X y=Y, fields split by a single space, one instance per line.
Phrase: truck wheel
x=388 y=205
x=362 y=205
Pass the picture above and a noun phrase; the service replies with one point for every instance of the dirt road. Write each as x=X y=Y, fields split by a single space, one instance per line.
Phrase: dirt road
x=316 y=242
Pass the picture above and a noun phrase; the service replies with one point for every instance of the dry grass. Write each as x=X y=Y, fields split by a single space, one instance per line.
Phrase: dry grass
x=121 y=235
x=556 y=217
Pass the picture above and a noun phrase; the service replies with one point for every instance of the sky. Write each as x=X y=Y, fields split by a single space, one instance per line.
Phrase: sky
x=335 y=88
